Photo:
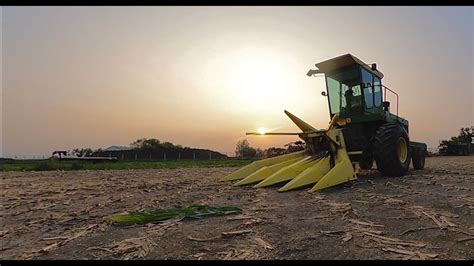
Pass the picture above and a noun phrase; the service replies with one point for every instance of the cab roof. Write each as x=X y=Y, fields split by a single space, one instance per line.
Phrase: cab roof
x=344 y=61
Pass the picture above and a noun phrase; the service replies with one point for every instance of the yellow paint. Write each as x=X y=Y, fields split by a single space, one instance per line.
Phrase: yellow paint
x=287 y=173
x=255 y=166
x=402 y=149
x=264 y=172
x=342 y=171
x=309 y=176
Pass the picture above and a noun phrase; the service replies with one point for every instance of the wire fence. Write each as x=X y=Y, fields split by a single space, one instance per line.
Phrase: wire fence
x=137 y=155
x=27 y=157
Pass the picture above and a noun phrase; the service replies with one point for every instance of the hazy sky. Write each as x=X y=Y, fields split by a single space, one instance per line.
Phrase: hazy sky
x=203 y=76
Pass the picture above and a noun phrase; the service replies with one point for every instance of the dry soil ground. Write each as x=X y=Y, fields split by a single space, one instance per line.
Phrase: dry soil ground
x=59 y=215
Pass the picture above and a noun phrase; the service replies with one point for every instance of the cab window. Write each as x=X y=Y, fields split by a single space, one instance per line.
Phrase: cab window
x=334 y=95
x=367 y=83
x=377 y=92
x=340 y=85
x=352 y=96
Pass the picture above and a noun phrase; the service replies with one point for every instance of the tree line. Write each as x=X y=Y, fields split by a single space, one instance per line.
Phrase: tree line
x=143 y=144
x=465 y=136
x=244 y=150
x=155 y=144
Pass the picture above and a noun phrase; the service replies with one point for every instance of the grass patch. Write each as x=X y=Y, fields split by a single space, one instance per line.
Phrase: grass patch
x=77 y=166
x=43 y=166
x=51 y=165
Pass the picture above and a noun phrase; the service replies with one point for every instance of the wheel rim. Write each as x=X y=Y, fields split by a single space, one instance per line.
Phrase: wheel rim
x=402 y=149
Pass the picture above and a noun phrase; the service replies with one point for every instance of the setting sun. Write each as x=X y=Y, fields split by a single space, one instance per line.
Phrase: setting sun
x=262 y=130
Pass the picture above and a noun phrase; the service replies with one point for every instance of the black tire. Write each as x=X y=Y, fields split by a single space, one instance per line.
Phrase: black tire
x=418 y=159
x=392 y=150
x=366 y=162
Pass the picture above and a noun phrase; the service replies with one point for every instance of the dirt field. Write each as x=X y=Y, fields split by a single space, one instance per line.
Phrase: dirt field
x=59 y=215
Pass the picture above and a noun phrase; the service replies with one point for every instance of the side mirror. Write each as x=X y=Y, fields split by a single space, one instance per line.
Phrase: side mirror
x=323 y=93
x=313 y=72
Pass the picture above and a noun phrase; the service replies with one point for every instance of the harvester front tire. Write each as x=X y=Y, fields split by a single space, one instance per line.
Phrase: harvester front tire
x=418 y=159
x=392 y=150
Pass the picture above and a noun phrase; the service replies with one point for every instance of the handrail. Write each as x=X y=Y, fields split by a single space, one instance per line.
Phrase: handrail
x=385 y=95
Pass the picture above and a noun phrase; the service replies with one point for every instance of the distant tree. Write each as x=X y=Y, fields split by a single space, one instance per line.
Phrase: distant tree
x=295 y=146
x=243 y=149
x=167 y=145
x=465 y=136
x=259 y=153
x=274 y=151
x=250 y=153
x=146 y=144
x=444 y=143
x=138 y=143
x=154 y=144
x=241 y=146
x=151 y=144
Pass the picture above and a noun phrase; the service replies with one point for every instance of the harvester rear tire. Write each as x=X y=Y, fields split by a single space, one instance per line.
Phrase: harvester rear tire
x=366 y=162
x=392 y=150
x=418 y=159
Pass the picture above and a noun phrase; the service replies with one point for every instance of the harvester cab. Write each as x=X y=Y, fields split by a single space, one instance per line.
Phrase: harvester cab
x=354 y=89
x=361 y=130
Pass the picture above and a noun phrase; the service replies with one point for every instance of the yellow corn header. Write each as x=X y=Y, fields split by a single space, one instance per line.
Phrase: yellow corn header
x=324 y=163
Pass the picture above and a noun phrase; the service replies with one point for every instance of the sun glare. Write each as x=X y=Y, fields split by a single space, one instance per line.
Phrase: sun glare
x=262 y=130
x=257 y=80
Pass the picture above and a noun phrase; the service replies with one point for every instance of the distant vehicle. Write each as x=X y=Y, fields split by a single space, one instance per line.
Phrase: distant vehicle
x=62 y=156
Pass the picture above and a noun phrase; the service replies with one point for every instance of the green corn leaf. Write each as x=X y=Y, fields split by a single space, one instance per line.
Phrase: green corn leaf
x=193 y=211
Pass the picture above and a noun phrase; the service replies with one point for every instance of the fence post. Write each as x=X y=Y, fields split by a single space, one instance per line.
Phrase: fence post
x=122 y=156
x=165 y=156
x=136 y=156
x=194 y=156
x=179 y=156
x=209 y=155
